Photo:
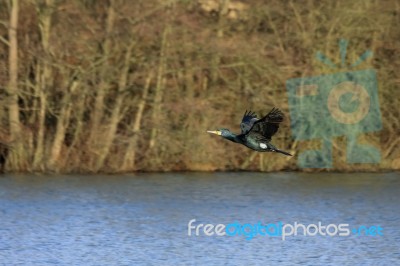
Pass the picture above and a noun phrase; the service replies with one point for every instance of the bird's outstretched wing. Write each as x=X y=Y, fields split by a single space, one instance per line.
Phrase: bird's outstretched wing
x=248 y=120
x=268 y=125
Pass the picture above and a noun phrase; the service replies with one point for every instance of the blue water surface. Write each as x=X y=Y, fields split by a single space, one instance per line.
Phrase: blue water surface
x=143 y=219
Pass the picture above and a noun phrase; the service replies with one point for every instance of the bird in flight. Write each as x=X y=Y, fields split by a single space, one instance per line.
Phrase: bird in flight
x=256 y=133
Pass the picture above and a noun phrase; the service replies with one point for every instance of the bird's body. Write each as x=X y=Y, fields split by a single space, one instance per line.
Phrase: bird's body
x=256 y=133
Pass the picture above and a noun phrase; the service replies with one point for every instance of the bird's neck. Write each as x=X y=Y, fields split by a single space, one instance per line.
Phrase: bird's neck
x=232 y=137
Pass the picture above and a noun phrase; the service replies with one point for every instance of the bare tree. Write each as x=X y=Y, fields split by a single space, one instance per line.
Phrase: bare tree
x=101 y=89
x=18 y=158
x=115 y=114
x=128 y=163
x=159 y=89
x=43 y=78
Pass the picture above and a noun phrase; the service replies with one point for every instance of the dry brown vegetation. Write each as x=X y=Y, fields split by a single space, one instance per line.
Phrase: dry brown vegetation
x=118 y=85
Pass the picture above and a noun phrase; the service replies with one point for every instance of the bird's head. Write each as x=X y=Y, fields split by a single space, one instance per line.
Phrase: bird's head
x=223 y=132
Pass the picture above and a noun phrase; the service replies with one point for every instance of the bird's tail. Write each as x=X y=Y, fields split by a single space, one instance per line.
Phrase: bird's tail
x=283 y=152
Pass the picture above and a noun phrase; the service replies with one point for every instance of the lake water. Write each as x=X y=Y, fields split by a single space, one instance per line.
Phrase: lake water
x=143 y=219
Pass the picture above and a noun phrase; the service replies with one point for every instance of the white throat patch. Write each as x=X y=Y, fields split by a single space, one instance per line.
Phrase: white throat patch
x=263 y=146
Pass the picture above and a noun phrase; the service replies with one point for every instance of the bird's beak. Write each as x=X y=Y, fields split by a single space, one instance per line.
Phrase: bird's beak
x=217 y=132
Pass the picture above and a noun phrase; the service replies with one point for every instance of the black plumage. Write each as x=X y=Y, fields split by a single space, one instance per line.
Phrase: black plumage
x=256 y=134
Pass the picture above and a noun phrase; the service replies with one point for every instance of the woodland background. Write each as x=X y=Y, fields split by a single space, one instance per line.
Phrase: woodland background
x=119 y=86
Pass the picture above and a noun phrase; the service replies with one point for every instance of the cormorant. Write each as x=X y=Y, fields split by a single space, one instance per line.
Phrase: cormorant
x=256 y=133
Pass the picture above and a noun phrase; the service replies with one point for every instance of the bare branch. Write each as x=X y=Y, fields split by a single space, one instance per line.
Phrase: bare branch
x=4 y=40
x=4 y=23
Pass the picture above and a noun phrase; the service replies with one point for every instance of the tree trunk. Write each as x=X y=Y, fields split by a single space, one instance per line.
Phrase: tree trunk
x=62 y=124
x=130 y=155
x=102 y=88
x=17 y=157
x=44 y=80
x=159 y=90
x=222 y=18
x=115 y=115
